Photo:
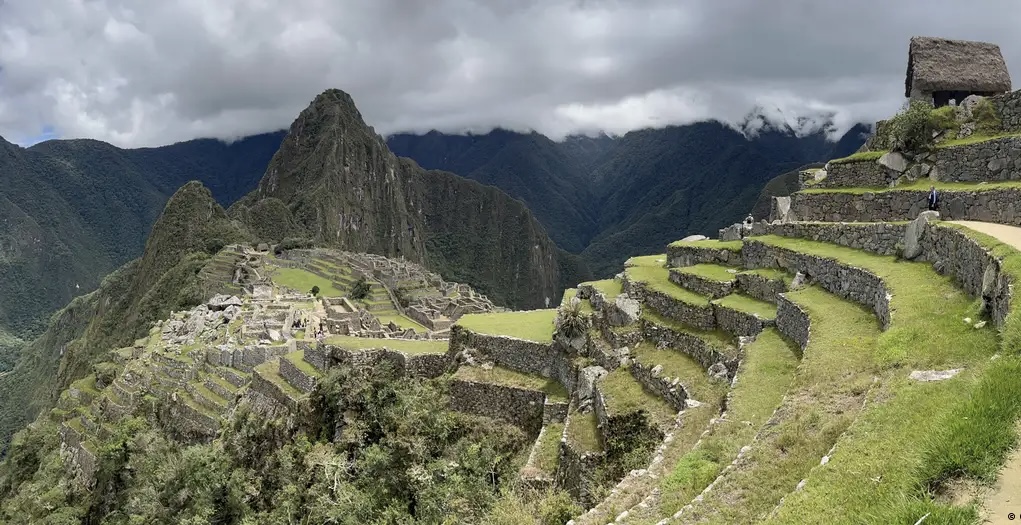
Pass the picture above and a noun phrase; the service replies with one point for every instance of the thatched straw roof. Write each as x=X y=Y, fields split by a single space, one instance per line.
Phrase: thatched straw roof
x=939 y=64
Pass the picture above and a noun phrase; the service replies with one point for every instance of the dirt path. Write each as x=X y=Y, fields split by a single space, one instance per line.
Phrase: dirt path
x=1008 y=234
x=1002 y=504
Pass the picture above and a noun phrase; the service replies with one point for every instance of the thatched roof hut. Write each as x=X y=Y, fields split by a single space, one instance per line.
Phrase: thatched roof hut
x=955 y=68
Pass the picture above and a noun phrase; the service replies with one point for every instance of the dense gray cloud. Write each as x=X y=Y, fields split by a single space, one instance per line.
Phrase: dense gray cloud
x=148 y=73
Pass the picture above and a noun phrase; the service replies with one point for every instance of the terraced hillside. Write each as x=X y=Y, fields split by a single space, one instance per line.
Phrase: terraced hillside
x=778 y=378
x=790 y=372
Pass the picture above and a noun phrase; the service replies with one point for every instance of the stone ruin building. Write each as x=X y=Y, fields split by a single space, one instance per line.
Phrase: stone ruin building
x=941 y=70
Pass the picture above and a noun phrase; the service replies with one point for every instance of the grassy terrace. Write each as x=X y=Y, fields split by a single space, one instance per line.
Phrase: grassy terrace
x=298 y=360
x=765 y=375
x=923 y=185
x=967 y=141
x=547 y=451
x=610 y=288
x=270 y=371
x=678 y=364
x=583 y=432
x=303 y=281
x=718 y=339
x=532 y=325
x=650 y=271
x=400 y=320
x=712 y=272
x=749 y=305
x=734 y=246
x=585 y=304
x=409 y=346
x=773 y=274
x=505 y=376
x=623 y=394
x=911 y=435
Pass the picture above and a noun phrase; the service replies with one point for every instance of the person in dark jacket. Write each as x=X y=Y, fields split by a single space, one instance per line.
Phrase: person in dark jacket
x=933 y=198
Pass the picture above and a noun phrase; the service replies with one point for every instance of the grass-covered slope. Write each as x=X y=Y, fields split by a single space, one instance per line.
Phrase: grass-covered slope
x=167 y=277
x=74 y=210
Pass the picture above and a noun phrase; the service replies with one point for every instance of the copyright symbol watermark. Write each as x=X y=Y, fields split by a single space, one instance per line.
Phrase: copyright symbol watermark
x=1011 y=516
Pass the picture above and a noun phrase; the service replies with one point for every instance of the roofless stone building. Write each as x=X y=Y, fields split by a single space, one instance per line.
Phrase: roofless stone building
x=941 y=70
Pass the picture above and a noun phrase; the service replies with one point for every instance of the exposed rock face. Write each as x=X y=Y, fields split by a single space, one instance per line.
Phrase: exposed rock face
x=913 y=234
x=624 y=311
x=341 y=186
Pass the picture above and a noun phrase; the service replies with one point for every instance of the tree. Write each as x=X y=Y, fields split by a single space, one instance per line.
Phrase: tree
x=361 y=289
x=315 y=290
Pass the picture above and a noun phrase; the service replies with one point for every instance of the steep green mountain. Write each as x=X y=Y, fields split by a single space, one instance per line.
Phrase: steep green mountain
x=166 y=277
x=335 y=181
x=609 y=198
x=71 y=211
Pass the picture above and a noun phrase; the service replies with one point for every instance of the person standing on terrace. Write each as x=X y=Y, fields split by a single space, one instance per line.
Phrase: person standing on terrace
x=933 y=198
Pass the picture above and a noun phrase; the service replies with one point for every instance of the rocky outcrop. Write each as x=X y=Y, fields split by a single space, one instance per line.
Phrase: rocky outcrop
x=360 y=197
x=913 y=234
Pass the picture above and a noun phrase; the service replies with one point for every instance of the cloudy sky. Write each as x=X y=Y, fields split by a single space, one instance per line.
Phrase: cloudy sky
x=142 y=73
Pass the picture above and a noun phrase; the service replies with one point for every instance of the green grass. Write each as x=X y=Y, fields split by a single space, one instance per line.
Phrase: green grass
x=583 y=432
x=712 y=272
x=547 y=454
x=734 y=246
x=610 y=288
x=765 y=375
x=298 y=360
x=531 y=325
x=209 y=394
x=303 y=281
x=270 y=371
x=862 y=156
x=649 y=270
x=749 y=305
x=227 y=385
x=505 y=376
x=409 y=346
x=975 y=139
x=911 y=434
x=623 y=394
x=824 y=399
x=676 y=363
x=772 y=274
x=718 y=339
x=923 y=185
x=400 y=320
x=87 y=385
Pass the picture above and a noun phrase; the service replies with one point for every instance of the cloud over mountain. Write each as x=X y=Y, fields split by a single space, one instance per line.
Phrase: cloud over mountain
x=157 y=72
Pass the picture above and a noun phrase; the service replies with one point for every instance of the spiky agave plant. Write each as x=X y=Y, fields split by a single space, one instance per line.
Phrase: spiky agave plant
x=571 y=322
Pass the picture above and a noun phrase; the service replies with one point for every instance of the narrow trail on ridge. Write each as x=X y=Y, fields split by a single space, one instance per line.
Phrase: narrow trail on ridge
x=1005 y=496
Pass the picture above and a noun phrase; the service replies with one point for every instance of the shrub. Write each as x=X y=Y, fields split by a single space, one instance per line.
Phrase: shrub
x=911 y=130
x=315 y=290
x=361 y=289
x=292 y=243
x=987 y=122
